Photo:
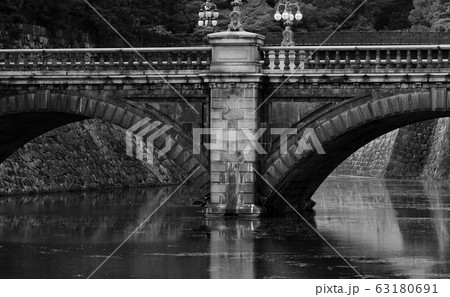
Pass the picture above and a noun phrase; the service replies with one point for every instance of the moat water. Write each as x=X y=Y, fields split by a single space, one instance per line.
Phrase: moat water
x=385 y=229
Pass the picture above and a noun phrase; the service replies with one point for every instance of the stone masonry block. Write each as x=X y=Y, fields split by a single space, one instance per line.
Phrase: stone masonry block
x=245 y=167
x=216 y=114
x=216 y=156
x=215 y=177
x=337 y=123
x=346 y=119
x=215 y=93
x=226 y=157
x=218 y=188
x=365 y=113
x=246 y=124
x=415 y=102
x=218 y=167
x=247 y=177
x=247 y=104
x=250 y=114
x=328 y=127
x=281 y=166
x=438 y=97
x=248 y=198
x=247 y=188
x=176 y=150
x=219 y=124
x=215 y=198
x=385 y=108
x=232 y=103
x=250 y=93
x=321 y=134
x=251 y=157
x=42 y=101
x=218 y=103
x=405 y=103
x=425 y=102
x=375 y=109
x=356 y=116
x=394 y=104
x=233 y=115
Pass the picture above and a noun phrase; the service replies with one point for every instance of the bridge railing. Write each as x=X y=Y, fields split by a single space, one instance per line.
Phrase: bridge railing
x=94 y=59
x=414 y=58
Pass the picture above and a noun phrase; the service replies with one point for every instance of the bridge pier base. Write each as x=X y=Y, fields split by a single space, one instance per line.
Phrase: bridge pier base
x=234 y=82
x=232 y=154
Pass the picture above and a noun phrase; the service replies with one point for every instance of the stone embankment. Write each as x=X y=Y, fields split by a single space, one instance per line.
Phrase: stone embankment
x=419 y=151
x=81 y=156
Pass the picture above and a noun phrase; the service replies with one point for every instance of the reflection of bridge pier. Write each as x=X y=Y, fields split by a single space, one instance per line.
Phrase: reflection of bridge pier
x=232 y=248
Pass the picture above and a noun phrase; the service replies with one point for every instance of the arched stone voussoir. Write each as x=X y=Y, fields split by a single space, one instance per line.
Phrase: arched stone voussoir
x=341 y=131
x=24 y=117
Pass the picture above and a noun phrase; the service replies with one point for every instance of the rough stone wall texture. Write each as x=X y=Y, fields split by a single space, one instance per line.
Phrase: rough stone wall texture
x=80 y=156
x=410 y=151
x=370 y=160
x=401 y=154
x=437 y=165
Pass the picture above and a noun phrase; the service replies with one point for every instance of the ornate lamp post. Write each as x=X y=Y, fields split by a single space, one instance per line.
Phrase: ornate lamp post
x=208 y=14
x=288 y=12
x=236 y=17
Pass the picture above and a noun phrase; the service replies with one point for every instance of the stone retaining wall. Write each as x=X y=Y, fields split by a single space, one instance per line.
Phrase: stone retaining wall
x=81 y=156
x=411 y=152
x=437 y=165
x=370 y=160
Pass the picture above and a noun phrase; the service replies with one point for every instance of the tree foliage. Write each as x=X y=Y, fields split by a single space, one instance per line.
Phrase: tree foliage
x=431 y=14
x=139 y=20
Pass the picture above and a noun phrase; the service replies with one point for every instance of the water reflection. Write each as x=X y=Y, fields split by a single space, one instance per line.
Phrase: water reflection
x=403 y=225
x=384 y=228
x=232 y=248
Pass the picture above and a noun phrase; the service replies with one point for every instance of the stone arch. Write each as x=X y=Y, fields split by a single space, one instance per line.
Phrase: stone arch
x=341 y=130
x=26 y=116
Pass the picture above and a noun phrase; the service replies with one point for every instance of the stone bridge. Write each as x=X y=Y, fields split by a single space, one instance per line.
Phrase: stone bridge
x=341 y=96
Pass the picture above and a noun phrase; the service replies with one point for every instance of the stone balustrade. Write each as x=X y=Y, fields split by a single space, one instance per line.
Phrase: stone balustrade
x=274 y=59
x=173 y=58
x=356 y=59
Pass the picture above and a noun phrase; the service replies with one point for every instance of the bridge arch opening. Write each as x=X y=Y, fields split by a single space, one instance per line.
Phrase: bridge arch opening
x=342 y=130
x=27 y=116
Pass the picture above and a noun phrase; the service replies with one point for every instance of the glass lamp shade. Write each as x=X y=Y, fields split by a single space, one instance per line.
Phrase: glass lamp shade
x=201 y=14
x=206 y=23
x=208 y=13
x=291 y=17
x=299 y=16
x=216 y=14
x=285 y=16
x=214 y=23
x=200 y=23
x=277 y=16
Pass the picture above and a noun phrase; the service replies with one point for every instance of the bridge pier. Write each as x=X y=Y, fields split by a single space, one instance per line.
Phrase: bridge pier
x=234 y=82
